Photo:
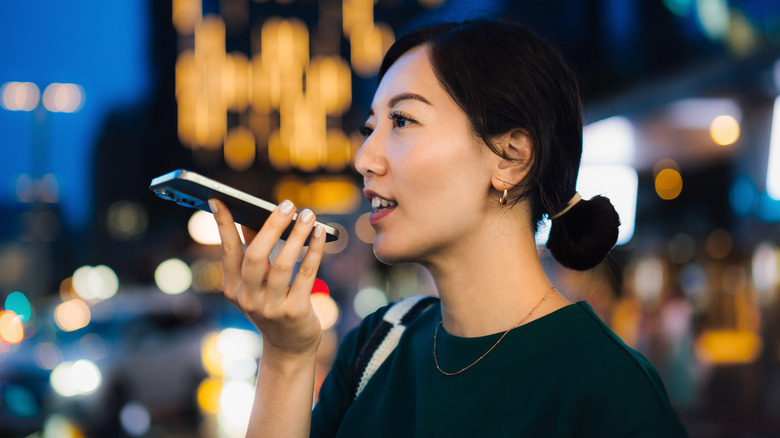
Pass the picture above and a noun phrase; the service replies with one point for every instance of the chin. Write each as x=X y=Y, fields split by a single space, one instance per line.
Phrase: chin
x=392 y=253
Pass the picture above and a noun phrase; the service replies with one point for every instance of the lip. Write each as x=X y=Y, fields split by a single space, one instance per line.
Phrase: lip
x=374 y=218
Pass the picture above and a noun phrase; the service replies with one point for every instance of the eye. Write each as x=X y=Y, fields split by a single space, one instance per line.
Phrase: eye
x=400 y=120
x=366 y=130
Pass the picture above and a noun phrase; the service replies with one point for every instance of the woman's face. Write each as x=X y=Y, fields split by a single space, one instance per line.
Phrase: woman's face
x=421 y=157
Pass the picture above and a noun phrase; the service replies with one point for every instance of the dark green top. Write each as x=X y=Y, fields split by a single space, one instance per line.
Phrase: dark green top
x=563 y=375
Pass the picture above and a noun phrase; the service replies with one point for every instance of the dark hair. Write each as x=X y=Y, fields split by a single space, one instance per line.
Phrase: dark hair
x=504 y=77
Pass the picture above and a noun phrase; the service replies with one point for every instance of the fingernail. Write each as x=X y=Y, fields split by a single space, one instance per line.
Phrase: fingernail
x=318 y=231
x=306 y=215
x=213 y=206
x=286 y=207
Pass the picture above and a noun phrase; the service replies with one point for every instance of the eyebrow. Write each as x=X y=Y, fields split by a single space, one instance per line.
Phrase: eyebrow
x=400 y=97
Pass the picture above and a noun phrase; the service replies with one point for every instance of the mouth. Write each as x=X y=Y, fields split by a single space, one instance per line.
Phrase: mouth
x=380 y=204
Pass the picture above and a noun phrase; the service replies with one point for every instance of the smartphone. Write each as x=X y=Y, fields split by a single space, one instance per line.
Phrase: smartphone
x=190 y=189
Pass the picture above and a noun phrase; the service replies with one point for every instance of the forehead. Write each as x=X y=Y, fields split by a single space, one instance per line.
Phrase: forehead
x=411 y=73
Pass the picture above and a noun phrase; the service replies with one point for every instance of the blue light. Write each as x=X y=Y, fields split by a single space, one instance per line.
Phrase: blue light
x=742 y=196
x=19 y=304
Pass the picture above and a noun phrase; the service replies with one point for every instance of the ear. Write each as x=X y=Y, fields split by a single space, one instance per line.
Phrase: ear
x=511 y=170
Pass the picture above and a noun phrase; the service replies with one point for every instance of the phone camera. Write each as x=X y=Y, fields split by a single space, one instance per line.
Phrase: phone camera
x=165 y=194
x=185 y=202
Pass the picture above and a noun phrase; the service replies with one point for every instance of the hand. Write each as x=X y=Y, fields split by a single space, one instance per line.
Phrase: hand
x=281 y=310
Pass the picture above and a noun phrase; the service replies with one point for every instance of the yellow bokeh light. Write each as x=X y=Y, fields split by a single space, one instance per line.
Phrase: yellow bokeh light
x=369 y=42
x=72 y=315
x=19 y=96
x=240 y=148
x=326 y=195
x=329 y=81
x=724 y=130
x=209 y=391
x=236 y=76
x=173 y=276
x=11 y=327
x=63 y=98
x=339 y=152
x=186 y=14
x=668 y=184
x=210 y=356
x=728 y=347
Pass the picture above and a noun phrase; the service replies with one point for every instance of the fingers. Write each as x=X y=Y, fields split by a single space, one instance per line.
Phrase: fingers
x=307 y=271
x=232 y=248
x=256 y=255
x=249 y=234
x=281 y=271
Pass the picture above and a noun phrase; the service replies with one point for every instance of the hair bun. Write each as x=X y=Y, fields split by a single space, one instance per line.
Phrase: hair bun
x=582 y=238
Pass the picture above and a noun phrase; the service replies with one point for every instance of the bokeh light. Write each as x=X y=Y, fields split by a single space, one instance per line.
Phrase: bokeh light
x=135 y=419
x=368 y=300
x=72 y=315
x=320 y=287
x=765 y=267
x=59 y=426
x=339 y=244
x=681 y=248
x=363 y=228
x=173 y=276
x=724 y=130
x=668 y=184
x=11 y=327
x=73 y=378
x=126 y=219
x=17 y=302
x=63 y=98
x=95 y=283
x=208 y=395
x=85 y=375
x=19 y=401
x=719 y=244
x=19 y=96
x=649 y=280
x=239 y=148
x=48 y=355
x=235 y=402
x=327 y=310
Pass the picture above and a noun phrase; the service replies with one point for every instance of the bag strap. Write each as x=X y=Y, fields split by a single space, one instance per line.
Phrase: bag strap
x=385 y=337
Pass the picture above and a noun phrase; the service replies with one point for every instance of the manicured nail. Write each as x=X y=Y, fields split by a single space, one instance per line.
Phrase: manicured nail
x=213 y=206
x=318 y=231
x=306 y=215
x=286 y=207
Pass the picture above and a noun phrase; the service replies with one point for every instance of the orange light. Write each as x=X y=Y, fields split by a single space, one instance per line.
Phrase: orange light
x=11 y=327
x=240 y=148
x=668 y=184
x=209 y=391
x=72 y=315
x=728 y=346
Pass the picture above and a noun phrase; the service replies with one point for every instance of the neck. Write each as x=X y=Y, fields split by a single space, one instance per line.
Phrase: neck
x=490 y=282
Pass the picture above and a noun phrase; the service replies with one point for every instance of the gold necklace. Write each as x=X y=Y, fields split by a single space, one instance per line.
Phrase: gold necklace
x=436 y=335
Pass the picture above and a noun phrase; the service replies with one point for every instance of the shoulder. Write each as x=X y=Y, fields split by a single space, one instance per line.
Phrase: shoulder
x=612 y=379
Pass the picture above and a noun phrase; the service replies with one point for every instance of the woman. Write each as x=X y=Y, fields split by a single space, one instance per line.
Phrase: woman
x=473 y=135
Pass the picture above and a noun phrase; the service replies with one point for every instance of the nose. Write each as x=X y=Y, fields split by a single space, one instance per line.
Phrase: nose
x=370 y=159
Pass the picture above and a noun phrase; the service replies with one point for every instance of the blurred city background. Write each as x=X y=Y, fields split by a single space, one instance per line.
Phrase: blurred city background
x=111 y=318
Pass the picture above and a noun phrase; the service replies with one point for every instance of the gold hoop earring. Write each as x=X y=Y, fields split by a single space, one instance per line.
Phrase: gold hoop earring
x=502 y=200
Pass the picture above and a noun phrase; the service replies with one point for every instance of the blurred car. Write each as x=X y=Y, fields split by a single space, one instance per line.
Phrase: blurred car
x=139 y=355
